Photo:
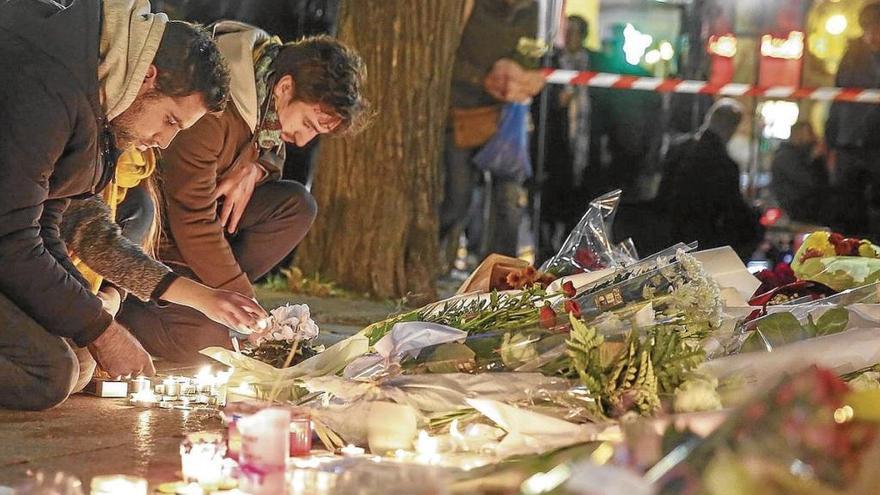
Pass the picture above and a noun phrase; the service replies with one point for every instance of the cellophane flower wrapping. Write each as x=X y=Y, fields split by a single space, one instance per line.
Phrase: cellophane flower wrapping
x=588 y=247
x=802 y=436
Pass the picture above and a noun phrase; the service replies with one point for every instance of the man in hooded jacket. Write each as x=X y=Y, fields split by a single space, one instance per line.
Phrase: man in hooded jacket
x=77 y=80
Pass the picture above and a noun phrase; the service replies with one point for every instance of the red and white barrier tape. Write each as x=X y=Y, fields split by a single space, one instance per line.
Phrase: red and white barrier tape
x=606 y=80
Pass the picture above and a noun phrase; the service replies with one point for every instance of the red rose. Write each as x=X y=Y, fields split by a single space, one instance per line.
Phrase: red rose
x=572 y=306
x=784 y=274
x=587 y=259
x=568 y=289
x=547 y=316
x=835 y=238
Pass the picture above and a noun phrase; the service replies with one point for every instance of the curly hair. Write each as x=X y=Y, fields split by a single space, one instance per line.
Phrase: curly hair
x=328 y=73
x=189 y=62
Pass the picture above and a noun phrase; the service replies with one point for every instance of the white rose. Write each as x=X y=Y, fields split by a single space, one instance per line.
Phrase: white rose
x=291 y=321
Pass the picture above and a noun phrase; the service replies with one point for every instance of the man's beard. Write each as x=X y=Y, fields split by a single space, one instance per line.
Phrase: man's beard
x=124 y=125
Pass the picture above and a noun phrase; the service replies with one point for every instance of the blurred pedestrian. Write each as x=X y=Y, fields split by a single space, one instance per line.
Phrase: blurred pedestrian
x=701 y=187
x=853 y=134
x=488 y=73
x=800 y=178
x=567 y=142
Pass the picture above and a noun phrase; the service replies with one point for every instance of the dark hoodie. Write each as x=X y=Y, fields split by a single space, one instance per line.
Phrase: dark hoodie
x=50 y=150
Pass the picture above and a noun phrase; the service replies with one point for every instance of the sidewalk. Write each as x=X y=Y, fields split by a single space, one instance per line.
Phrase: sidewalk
x=89 y=436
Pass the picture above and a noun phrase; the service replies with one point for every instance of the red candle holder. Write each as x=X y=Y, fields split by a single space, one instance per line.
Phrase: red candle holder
x=300 y=434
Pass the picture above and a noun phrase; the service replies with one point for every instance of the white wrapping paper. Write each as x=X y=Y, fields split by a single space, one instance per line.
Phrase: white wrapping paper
x=405 y=339
x=533 y=433
x=842 y=353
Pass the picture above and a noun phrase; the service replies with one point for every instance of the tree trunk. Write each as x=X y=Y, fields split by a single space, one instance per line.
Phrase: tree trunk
x=378 y=191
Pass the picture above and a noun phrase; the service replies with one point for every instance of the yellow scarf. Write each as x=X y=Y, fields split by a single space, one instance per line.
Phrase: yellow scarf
x=132 y=167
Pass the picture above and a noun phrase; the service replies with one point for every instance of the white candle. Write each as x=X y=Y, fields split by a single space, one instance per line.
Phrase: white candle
x=118 y=485
x=390 y=427
x=144 y=398
x=205 y=380
x=139 y=384
x=172 y=388
x=427 y=446
x=351 y=451
x=201 y=459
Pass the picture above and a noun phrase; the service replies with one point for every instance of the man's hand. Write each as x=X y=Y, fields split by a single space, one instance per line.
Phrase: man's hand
x=227 y=308
x=237 y=187
x=120 y=354
x=111 y=299
x=509 y=82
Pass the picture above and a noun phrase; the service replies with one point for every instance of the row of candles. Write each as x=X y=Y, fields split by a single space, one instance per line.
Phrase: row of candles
x=179 y=392
x=207 y=459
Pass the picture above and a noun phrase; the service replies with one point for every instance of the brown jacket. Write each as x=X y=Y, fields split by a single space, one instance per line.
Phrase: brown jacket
x=199 y=157
x=190 y=170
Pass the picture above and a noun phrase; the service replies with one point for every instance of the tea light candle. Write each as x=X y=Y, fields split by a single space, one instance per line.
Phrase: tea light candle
x=427 y=446
x=118 y=485
x=351 y=451
x=144 y=398
x=201 y=459
x=140 y=384
x=205 y=380
x=172 y=388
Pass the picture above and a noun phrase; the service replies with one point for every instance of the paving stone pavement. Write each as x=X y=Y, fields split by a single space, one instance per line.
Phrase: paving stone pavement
x=89 y=436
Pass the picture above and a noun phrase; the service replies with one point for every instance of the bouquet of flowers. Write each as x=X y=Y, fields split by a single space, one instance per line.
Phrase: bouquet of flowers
x=588 y=247
x=804 y=436
x=838 y=262
x=290 y=326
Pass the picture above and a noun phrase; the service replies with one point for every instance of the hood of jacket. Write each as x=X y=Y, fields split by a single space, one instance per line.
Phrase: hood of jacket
x=130 y=38
x=237 y=42
x=46 y=25
x=115 y=40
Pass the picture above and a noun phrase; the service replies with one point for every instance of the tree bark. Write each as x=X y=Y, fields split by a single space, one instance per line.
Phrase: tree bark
x=378 y=192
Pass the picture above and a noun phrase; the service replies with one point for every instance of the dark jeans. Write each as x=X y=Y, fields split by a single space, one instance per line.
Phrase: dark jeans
x=38 y=370
x=277 y=218
x=461 y=176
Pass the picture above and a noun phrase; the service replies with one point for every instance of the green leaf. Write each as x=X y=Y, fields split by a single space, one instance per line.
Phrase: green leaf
x=832 y=321
x=450 y=358
x=776 y=330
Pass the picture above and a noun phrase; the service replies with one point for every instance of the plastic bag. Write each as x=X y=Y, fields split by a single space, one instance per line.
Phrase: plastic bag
x=506 y=154
x=588 y=247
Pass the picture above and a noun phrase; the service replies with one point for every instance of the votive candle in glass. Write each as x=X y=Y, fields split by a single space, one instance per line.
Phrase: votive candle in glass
x=172 y=387
x=201 y=459
x=118 y=484
x=300 y=434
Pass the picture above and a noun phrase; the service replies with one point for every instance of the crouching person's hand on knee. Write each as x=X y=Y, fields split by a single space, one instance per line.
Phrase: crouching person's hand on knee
x=120 y=354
